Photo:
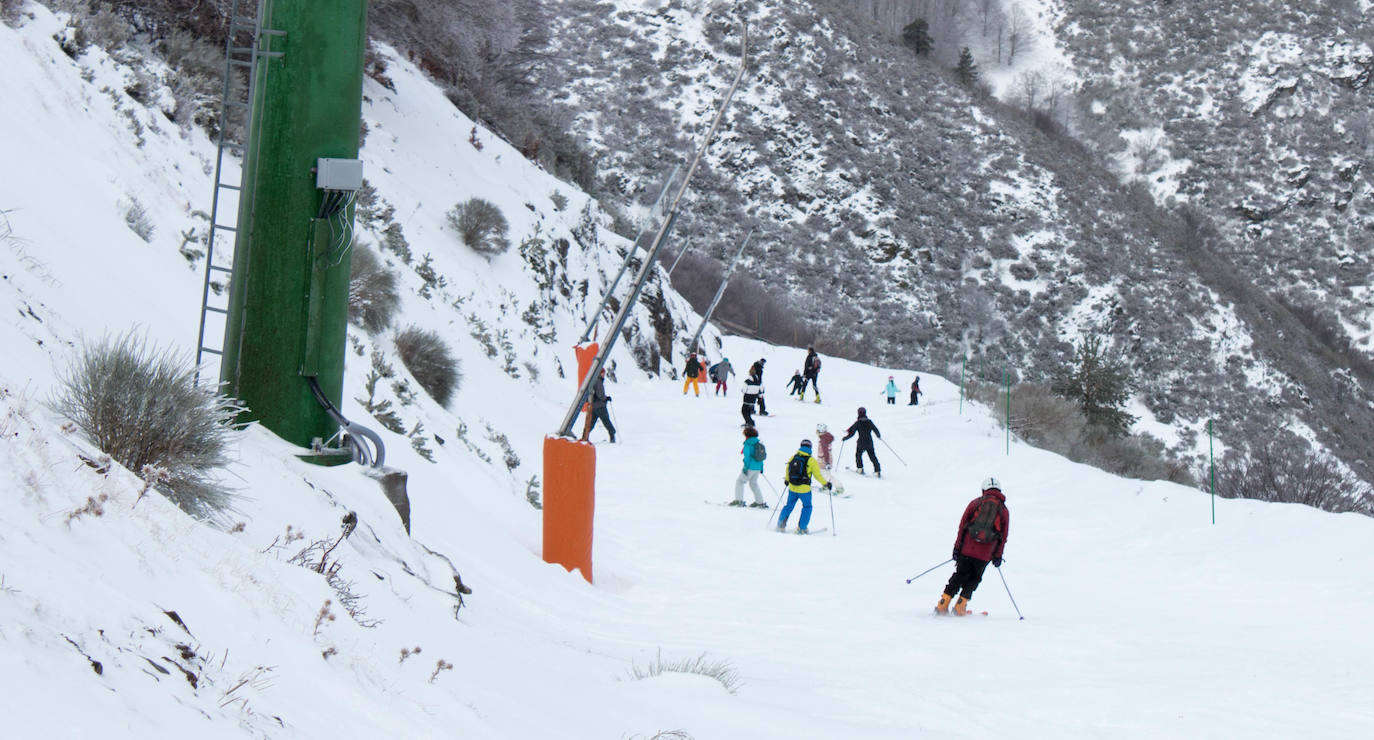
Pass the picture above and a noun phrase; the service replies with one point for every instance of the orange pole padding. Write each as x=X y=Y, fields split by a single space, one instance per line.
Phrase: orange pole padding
x=586 y=353
x=569 y=503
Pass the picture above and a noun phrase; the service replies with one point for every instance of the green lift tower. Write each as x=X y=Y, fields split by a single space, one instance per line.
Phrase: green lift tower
x=285 y=331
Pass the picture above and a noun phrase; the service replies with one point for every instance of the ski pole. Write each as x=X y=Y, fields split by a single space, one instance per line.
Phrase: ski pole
x=831 y=491
x=894 y=452
x=839 y=456
x=1009 y=596
x=927 y=570
x=614 y=420
x=775 y=505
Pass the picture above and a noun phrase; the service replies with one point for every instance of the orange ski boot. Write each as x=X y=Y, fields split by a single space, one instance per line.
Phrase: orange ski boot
x=961 y=607
x=942 y=608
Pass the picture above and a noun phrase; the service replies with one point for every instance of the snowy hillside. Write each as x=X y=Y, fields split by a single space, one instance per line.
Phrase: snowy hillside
x=122 y=617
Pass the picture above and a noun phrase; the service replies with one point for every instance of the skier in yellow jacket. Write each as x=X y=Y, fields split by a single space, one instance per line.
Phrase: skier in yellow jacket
x=800 y=470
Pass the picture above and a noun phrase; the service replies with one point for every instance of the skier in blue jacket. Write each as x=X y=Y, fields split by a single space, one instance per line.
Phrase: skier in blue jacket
x=753 y=467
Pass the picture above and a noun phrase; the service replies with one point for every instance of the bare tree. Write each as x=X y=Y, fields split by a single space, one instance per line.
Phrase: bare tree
x=1030 y=86
x=1020 y=34
x=987 y=10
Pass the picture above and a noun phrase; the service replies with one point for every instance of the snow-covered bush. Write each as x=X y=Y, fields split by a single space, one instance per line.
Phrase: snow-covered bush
x=720 y=670
x=1286 y=469
x=481 y=225
x=9 y=11
x=141 y=406
x=372 y=294
x=430 y=362
x=199 y=79
x=138 y=220
x=1050 y=422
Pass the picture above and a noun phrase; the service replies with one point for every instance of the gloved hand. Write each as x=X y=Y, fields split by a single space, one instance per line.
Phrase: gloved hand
x=955 y=556
x=829 y=486
x=608 y=399
x=997 y=562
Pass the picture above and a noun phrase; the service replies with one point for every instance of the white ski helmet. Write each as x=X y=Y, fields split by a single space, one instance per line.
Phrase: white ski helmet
x=820 y=429
x=991 y=484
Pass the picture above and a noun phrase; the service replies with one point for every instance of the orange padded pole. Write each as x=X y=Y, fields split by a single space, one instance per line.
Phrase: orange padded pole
x=585 y=353
x=569 y=503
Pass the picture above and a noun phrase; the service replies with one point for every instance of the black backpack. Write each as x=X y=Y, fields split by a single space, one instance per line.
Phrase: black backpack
x=797 y=474
x=983 y=527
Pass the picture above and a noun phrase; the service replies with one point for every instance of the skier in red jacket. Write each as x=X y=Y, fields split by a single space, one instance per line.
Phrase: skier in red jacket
x=981 y=538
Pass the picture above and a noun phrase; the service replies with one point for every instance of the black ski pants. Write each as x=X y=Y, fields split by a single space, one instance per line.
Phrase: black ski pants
x=604 y=416
x=968 y=573
x=747 y=411
x=859 y=451
x=814 y=386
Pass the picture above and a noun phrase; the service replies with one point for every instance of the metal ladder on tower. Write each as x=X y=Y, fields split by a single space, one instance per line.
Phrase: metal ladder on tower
x=241 y=55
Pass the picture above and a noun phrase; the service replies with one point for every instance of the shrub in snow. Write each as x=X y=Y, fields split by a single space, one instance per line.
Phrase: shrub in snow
x=9 y=11
x=372 y=293
x=138 y=220
x=1286 y=469
x=721 y=670
x=430 y=362
x=481 y=225
x=560 y=201
x=107 y=30
x=1051 y=422
x=141 y=406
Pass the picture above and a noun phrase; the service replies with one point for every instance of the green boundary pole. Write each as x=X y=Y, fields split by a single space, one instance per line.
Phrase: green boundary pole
x=962 y=369
x=1006 y=382
x=1212 y=463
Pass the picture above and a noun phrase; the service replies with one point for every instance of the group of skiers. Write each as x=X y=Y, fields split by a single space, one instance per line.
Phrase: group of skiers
x=983 y=528
x=980 y=538
x=808 y=375
x=982 y=533
x=890 y=391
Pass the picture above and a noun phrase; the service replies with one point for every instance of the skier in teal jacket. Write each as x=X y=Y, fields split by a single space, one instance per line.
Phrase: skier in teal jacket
x=890 y=390
x=753 y=467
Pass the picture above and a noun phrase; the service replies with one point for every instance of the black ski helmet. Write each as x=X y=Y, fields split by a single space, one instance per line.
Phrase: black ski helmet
x=863 y=411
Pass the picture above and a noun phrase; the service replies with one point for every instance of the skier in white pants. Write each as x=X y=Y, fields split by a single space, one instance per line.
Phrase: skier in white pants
x=753 y=453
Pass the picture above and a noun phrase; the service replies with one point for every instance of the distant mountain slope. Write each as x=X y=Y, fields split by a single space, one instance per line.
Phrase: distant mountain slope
x=911 y=219
x=1267 y=108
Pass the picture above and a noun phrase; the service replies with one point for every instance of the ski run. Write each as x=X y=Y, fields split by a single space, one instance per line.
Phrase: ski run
x=1143 y=619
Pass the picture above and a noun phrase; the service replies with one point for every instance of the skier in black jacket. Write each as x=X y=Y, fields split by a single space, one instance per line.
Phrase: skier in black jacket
x=811 y=370
x=865 y=428
x=598 y=408
x=751 y=395
x=756 y=377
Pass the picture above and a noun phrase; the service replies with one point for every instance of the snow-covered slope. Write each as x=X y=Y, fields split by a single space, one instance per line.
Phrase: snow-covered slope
x=121 y=617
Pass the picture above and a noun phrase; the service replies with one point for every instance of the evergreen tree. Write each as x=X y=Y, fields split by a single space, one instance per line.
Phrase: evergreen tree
x=916 y=36
x=1100 y=385
x=967 y=69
